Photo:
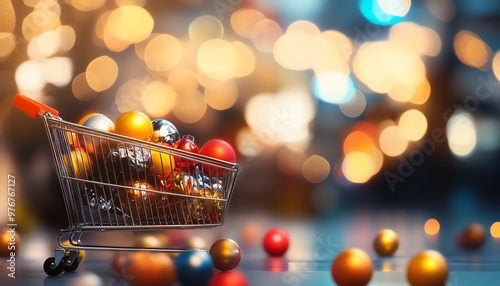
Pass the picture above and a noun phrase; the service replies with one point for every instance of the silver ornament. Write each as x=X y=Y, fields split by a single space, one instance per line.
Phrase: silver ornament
x=164 y=131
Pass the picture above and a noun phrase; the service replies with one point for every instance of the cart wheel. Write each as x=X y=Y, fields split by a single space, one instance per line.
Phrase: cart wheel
x=73 y=266
x=51 y=269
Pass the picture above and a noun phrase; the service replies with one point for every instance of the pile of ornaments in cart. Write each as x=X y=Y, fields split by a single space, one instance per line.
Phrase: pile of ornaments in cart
x=132 y=182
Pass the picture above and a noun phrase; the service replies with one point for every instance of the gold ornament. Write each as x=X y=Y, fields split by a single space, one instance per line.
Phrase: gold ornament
x=427 y=268
x=386 y=242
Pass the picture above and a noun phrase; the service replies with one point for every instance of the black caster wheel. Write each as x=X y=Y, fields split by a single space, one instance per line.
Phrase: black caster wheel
x=51 y=269
x=72 y=267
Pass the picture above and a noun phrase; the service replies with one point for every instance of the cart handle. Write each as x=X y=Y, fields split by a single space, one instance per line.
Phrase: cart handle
x=30 y=107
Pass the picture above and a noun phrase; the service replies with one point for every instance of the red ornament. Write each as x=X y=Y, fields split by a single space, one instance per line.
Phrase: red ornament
x=218 y=149
x=276 y=242
x=186 y=143
x=228 y=278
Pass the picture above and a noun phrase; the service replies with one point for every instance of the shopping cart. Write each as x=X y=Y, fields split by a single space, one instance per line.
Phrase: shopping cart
x=111 y=182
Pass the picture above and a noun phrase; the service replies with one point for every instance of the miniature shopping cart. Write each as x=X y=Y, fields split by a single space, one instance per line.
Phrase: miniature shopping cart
x=109 y=183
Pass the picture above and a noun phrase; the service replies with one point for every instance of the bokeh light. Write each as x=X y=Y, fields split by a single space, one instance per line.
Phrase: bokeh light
x=355 y=106
x=461 y=133
x=101 y=73
x=245 y=63
x=412 y=124
x=130 y=24
x=392 y=141
x=391 y=13
x=265 y=34
x=182 y=78
x=495 y=229
x=333 y=87
x=432 y=227
x=29 y=76
x=85 y=5
x=8 y=19
x=81 y=89
x=189 y=107
x=58 y=70
x=471 y=50
x=159 y=99
x=217 y=58
x=204 y=28
x=244 y=21
x=221 y=96
x=496 y=65
x=332 y=51
x=422 y=40
x=315 y=169
x=421 y=93
x=358 y=167
x=156 y=56
x=7 y=44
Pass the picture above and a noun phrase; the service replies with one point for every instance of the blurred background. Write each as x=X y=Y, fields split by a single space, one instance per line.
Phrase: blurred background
x=331 y=105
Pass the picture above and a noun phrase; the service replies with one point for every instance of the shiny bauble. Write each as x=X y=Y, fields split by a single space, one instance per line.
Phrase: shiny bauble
x=98 y=196
x=78 y=163
x=352 y=266
x=386 y=242
x=276 y=241
x=149 y=268
x=134 y=124
x=162 y=163
x=472 y=237
x=98 y=121
x=186 y=143
x=127 y=160
x=9 y=242
x=229 y=278
x=427 y=268
x=225 y=253
x=194 y=268
x=140 y=202
x=164 y=131
x=217 y=149
x=208 y=208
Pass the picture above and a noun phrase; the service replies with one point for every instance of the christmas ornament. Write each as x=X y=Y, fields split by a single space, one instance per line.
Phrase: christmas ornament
x=78 y=163
x=226 y=254
x=217 y=149
x=96 y=121
x=276 y=242
x=147 y=268
x=127 y=160
x=385 y=242
x=194 y=268
x=134 y=124
x=352 y=267
x=139 y=202
x=229 y=278
x=427 y=268
x=472 y=237
x=96 y=197
x=207 y=209
x=164 y=131
x=162 y=164
x=186 y=143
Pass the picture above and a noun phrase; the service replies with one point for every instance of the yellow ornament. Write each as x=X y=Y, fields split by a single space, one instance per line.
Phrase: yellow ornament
x=386 y=242
x=427 y=268
x=163 y=163
x=78 y=163
x=134 y=124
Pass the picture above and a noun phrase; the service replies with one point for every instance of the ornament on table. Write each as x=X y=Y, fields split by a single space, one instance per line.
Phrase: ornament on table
x=226 y=254
x=140 y=202
x=276 y=241
x=352 y=266
x=134 y=124
x=217 y=149
x=186 y=143
x=386 y=242
x=472 y=237
x=427 y=268
x=194 y=268
x=229 y=278
x=126 y=160
x=164 y=131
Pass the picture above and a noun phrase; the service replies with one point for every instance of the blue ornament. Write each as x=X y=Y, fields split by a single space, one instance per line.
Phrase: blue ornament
x=194 y=268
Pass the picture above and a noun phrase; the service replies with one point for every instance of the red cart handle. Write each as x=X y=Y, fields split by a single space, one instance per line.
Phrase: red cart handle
x=31 y=107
